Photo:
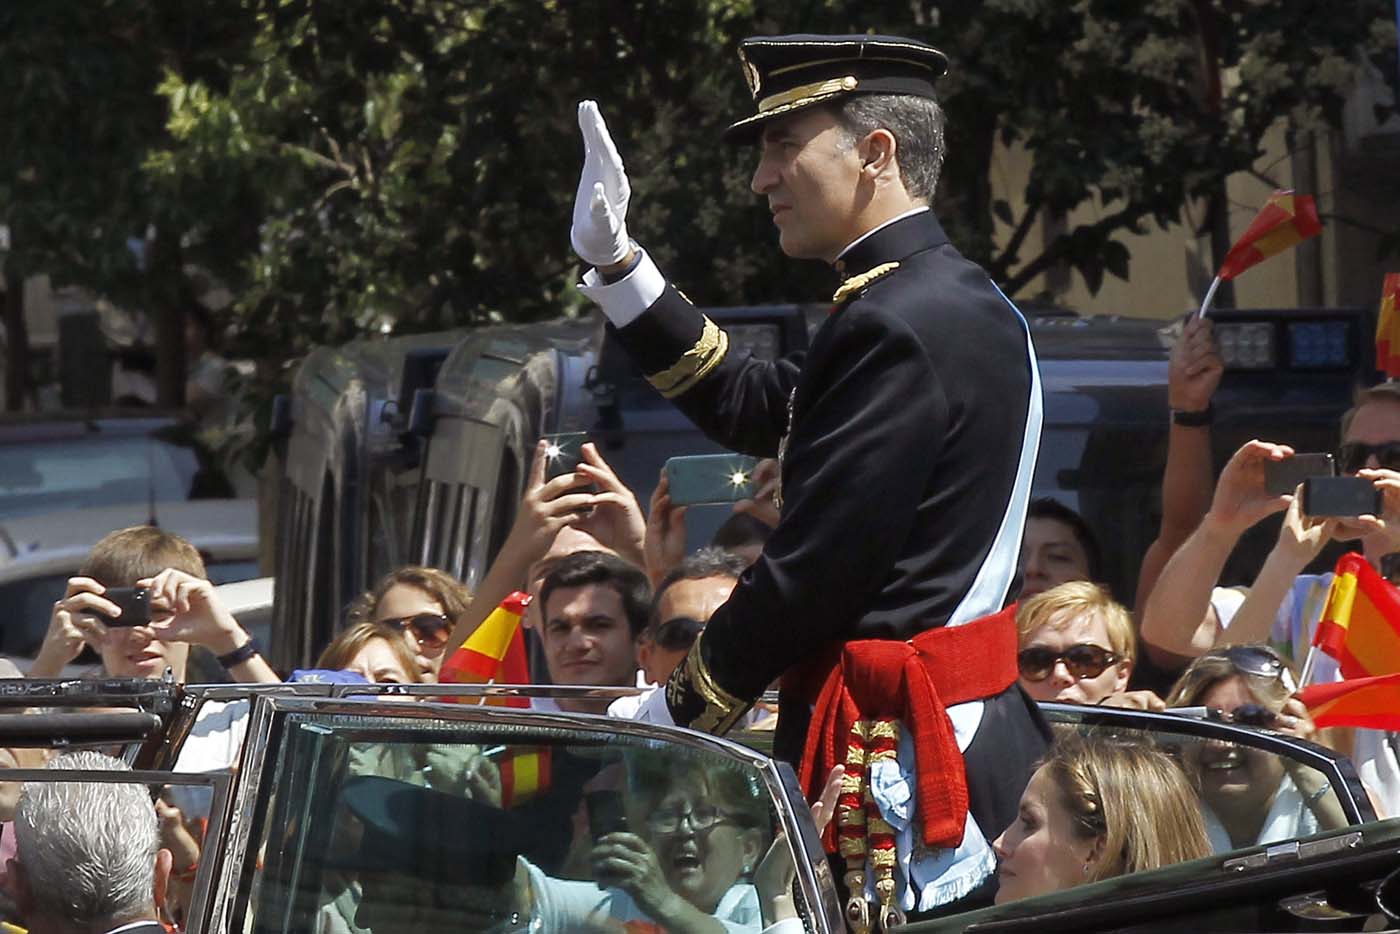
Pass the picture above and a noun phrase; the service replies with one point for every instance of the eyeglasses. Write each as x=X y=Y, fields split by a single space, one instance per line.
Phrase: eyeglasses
x=702 y=818
x=429 y=629
x=1084 y=660
x=678 y=634
x=1258 y=660
x=1352 y=456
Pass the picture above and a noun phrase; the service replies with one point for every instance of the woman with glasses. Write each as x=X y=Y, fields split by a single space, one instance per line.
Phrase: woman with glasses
x=421 y=603
x=1253 y=797
x=683 y=859
x=1098 y=808
x=1077 y=646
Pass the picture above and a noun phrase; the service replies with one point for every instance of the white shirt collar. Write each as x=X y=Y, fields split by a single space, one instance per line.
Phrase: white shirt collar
x=854 y=243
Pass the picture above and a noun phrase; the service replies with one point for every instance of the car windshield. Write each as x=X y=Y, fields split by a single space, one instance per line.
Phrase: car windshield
x=81 y=472
x=386 y=825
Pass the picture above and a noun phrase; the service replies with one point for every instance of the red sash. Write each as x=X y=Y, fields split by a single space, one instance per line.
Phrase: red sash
x=914 y=682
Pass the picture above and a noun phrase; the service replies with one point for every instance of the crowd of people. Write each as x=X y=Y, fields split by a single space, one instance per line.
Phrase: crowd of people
x=618 y=603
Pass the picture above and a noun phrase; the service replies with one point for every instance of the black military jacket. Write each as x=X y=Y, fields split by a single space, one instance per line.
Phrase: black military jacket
x=905 y=434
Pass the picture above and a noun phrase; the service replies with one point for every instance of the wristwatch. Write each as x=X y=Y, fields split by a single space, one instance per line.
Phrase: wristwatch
x=241 y=654
x=1194 y=419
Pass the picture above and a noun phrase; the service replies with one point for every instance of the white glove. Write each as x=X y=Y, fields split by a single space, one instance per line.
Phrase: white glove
x=599 y=233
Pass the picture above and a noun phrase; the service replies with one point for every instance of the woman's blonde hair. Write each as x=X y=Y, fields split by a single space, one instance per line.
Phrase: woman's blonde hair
x=348 y=644
x=1217 y=666
x=1131 y=796
x=1075 y=599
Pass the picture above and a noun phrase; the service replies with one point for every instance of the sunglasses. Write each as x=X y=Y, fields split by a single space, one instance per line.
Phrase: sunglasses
x=1084 y=660
x=677 y=634
x=1251 y=715
x=429 y=629
x=1352 y=456
x=1258 y=660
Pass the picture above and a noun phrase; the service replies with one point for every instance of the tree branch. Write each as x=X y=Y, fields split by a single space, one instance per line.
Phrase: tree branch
x=1023 y=229
x=1058 y=249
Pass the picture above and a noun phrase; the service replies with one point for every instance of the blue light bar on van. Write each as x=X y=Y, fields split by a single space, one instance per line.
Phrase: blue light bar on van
x=1247 y=345
x=1319 y=345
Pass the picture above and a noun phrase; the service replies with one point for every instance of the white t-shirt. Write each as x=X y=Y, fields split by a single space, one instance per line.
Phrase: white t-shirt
x=214 y=744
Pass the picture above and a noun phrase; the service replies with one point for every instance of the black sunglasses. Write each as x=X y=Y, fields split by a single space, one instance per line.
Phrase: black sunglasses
x=1352 y=456
x=1251 y=715
x=1084 y=660
x=677 y=634
x=429 y=629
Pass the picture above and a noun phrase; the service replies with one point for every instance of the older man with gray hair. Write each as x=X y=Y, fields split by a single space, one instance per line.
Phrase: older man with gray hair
x=88 y=858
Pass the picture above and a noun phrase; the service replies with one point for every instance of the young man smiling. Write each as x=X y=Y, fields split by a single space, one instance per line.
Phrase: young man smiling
x=907 y=436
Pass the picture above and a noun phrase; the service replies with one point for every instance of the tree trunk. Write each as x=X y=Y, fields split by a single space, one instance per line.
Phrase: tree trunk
x=16 y=342
x=165 y=304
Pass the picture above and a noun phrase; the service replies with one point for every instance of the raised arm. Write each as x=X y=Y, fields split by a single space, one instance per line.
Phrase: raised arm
x=1193 y=374
x=1177 y=620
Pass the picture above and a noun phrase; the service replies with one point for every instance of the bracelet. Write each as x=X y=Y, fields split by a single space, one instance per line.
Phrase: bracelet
x=1194 y=419
x=241 y=654
x=1316 y=796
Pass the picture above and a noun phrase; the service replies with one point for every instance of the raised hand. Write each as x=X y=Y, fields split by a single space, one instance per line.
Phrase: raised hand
x=1194 y=368
x=599 y=232
x=665 y=536
x=1241 y=497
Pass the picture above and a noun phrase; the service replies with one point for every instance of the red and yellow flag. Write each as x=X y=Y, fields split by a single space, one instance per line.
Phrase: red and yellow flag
x=524 y=773
x=1388 y=327
x=493 y=654
x=1285 y=221
x=1360 y=625
x=1364 y=702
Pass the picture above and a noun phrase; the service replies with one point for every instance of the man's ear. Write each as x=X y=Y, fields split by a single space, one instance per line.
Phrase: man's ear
x=878 y=153
x=163 y=863
x=645 y=650
x=16 y=886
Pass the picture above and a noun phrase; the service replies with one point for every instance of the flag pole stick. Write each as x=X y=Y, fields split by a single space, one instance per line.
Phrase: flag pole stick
x=1210 y=297
x=481 y=701
x=1306 y=676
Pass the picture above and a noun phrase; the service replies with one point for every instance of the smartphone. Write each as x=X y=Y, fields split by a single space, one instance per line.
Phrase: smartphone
x=1341 y=496
x=132 y=600
x=710 y=478
x=606 y=813
x=562 y=453
x=1281 y=478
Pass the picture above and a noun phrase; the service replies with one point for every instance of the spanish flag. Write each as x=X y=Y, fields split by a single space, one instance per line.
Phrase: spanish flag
x=1285 y=221
x=1388 y=327
x=1364 y=702
x=494 y=653
x=524 y=773
x=1360 y=625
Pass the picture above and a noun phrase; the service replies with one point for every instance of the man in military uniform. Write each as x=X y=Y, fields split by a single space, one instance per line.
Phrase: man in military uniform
x=907 y=435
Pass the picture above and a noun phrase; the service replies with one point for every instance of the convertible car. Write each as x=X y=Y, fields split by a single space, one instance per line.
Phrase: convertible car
x=389 y=808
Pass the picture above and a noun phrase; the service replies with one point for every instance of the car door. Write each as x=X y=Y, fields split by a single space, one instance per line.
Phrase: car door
x=1296 y=882
x=388 y=814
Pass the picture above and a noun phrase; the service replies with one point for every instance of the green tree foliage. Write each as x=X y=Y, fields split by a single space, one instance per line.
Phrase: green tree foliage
x=342 y=165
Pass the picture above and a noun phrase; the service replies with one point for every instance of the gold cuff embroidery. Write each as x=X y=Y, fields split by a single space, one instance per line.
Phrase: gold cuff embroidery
x=804 y=92
x=695 y=364
x=722 y=709
x=856 y=283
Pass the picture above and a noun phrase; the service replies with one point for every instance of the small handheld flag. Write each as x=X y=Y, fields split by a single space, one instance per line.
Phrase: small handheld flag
x=1360 y=625
x=494 y=653
x=1365 y=702
x=1388 y=327
x=1285 y=221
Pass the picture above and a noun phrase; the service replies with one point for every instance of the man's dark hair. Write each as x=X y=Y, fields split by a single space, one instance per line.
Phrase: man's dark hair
x=1048 y=508
x=705 y=563
x=917 y=126
x=597 y=567
x=741 y=530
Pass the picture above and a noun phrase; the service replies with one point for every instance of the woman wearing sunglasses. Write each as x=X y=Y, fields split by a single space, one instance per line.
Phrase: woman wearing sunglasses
x=1253 y=797
x=1077 y=647
x=421 y=604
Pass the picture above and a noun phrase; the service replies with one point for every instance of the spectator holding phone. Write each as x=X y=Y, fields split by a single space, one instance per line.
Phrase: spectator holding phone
x=145 y=632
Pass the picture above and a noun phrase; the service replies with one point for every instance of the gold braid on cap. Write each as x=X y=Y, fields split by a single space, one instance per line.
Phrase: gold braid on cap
x=695 y=364
x=855 y=283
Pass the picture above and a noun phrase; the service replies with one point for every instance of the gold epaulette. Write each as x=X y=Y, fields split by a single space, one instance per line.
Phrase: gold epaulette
x=857 y=282
x=695 y=364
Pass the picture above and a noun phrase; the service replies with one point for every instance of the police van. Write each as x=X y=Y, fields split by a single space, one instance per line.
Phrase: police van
x=415 y=449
